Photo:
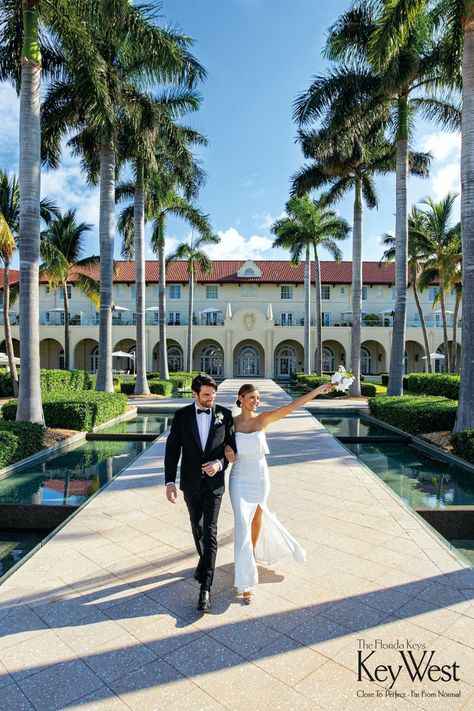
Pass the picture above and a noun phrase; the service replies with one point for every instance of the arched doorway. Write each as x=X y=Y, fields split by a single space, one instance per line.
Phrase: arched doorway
x=51 y=354
x=286 y=361
x=175 y=358
x=212 y=360
x=86 y=355
x=365 y=361
x=248 y=361
x=94 y=360
x=328 y=359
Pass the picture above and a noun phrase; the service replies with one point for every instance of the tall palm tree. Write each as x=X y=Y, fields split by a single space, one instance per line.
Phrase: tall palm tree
x=152 y=119
x=10 y=217
x=30 y=34
x=418 y=251
x=193 y=253
x=165 y=196
x=129 y=48
x=412 y=78
x=310 y=224
x=441 y=236
x=62 y=248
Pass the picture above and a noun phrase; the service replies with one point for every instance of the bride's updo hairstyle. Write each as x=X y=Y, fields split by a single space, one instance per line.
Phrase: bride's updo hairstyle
x=244 y=390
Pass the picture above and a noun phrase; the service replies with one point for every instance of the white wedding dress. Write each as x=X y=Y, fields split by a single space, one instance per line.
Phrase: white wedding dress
x=249 y=486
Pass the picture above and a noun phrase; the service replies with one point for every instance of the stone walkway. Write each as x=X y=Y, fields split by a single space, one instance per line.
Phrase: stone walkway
x=103 y=616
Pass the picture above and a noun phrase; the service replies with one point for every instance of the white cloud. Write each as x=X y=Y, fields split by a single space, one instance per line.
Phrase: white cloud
x=445 y=180
x=264 y=220
x=442 y=145
x=233 y=245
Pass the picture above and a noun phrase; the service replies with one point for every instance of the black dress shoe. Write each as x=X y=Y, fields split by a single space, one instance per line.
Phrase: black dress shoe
x=204 y=602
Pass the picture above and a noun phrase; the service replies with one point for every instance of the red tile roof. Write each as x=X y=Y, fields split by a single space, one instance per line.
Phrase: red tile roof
x=14 y=276
x=279 y=272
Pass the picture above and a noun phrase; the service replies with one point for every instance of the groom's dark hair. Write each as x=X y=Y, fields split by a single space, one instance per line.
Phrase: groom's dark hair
x=203 y=379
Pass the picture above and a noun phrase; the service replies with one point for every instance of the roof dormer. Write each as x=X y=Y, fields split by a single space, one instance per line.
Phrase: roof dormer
x=249 y=270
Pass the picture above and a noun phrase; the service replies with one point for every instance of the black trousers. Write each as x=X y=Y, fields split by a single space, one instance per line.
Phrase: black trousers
x=204 y=507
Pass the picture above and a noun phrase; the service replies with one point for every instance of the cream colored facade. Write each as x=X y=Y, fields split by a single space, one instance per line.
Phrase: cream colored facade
x=246 y=329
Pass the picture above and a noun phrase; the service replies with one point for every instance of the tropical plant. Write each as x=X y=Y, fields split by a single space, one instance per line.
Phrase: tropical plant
x=310 y=224
x=129 y=48
x=411 y=77
x=193 y=253
x=418 y=251
x=61 y=248
x=442 y=239
x=152 y=119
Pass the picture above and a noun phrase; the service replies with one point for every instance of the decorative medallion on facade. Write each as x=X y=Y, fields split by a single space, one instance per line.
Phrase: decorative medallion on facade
x=249 y=320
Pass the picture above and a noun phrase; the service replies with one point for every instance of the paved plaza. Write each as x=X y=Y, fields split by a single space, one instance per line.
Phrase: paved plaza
x=103 y=616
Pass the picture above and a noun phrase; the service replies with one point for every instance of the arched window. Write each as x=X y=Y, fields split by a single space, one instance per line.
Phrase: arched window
x=285 y=361
x=212 y=360
x=249 y=272
x=328 y=358
x=365 y=361
x=248 y=361
x=175 y=358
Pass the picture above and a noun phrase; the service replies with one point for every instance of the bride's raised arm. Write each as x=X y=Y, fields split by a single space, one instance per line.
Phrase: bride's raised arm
x=270 y=416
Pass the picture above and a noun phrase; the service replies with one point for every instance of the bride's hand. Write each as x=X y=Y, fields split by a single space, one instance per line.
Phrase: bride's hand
x=229 y=454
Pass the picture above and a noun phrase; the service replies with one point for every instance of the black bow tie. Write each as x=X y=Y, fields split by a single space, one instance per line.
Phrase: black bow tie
x=199 y=412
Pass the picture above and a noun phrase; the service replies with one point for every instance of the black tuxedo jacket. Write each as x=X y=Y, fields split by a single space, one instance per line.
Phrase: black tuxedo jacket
x=183 y=440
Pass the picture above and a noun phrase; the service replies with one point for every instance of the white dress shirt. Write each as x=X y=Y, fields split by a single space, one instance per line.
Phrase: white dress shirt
x=204 y=425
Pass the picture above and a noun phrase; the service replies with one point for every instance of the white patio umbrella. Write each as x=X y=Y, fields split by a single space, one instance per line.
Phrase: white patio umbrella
x=120 y=308
x=434 y=356
x=152 y=308
x=123 y=354
x=4 y=358
x=385 y=311
x=56 y=308
x=211 y=310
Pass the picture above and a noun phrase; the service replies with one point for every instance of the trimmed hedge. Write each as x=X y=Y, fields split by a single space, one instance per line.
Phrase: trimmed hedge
x=415 y=413
x=368 y=390
x=52 y=381
x=80 y=411
x=463 y=444
x=443 y=384
x=19 y=440
x=384 y=377
x=157 y=387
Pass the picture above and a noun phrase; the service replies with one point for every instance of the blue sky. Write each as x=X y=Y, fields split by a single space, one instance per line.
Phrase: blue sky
x=259 y=55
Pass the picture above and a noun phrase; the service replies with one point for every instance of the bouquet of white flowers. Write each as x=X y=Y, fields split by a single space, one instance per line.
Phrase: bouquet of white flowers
x=342 y=379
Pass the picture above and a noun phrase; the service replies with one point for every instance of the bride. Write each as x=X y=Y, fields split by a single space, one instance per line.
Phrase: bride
x=258 y=535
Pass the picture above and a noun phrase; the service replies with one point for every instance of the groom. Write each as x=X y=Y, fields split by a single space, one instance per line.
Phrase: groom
x=199 y=433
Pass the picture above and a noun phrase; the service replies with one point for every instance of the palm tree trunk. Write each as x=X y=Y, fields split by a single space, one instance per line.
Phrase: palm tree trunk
x=442 y=303
x=465 y=415
x=307 y=312
x=164 y=374
x=189 y=344
x=397 y=357
x=421 y=316
x=7 y=326
x=318 y=366
x=66 y=327
x=454 y=352
x=141 y=382
x=30 y=407
x=106 y=239
x=356 y=299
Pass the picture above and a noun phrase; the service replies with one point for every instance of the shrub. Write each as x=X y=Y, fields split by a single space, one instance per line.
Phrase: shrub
x=161 y=387
x=19 y=440
x=444 y=384
x=372 y=320
x=415 y=414
x=463 y=444
x=368 y=390
x=64 y=381
x=182 y=380
x=80 y=411
x=384 y=377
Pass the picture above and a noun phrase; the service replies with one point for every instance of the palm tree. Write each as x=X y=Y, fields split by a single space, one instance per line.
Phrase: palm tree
x=153 y=119
x=310 y=224
x=441 y=236
x=10 y=218
x=129 y=48
x=418 y=251
x=412 y=77
x=193 y=253
x=168 y=192
x=62 y=247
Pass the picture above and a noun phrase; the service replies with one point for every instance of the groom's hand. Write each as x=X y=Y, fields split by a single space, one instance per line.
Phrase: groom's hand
x=211 y=468
x=171 y=493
